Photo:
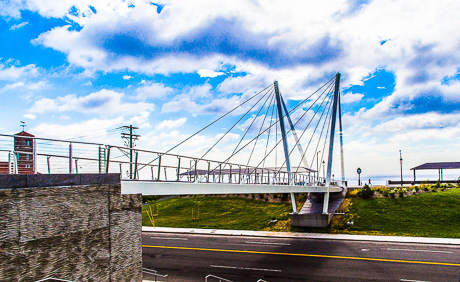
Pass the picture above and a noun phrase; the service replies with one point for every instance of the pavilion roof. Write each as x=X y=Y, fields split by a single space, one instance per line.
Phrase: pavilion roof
x=441 y=165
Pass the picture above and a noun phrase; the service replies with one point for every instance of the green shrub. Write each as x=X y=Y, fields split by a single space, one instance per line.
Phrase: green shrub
x=434 y=190
x=425 y=189
x=366 y=192
x=416 y=189
x=401 y=193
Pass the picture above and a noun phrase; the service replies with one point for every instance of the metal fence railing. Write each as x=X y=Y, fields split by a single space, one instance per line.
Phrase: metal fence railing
x=53 y=156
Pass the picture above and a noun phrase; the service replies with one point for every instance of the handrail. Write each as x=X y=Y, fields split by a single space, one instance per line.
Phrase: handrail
x=53 y=279
x=217 y=277
x=154 y=273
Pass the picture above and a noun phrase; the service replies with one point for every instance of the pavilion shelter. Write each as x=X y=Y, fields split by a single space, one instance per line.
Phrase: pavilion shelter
x=437 y=166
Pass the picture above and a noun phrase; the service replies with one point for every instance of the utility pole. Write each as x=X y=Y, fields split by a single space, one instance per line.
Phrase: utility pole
x=130 y=138
x=400 y=160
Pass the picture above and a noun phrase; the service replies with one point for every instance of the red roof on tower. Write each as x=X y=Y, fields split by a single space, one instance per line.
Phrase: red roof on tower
x=23 y=133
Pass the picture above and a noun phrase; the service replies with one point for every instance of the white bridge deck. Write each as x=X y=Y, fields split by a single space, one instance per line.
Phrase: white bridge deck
x=188 y=188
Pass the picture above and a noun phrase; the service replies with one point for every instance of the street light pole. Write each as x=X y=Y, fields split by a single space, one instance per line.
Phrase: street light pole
x=324 y=170
x=401 y=161
x=317 y=165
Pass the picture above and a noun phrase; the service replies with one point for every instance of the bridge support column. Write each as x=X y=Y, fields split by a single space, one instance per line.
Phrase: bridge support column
x=331 y=142
x=285 y=144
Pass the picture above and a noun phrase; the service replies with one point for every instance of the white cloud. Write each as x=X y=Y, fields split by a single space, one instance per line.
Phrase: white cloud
x=30 y=116
x=90 y=127
x=13 y=86
x=351 y=98
x=103 y=102
x=169 y=123
x=153 y=90
x=18 y=26
x=182 y=103
x=38 y=85
x=33 y=86
x=418 y=122
x=14 y=73
x=209 y=73
x=127 y=77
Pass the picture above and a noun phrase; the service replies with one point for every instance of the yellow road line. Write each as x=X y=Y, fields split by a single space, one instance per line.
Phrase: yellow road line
x=303 y=255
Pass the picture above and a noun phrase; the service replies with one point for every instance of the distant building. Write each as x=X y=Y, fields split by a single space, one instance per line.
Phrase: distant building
x=22 y=158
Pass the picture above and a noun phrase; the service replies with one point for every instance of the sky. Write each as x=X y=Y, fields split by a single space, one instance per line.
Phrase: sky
x=80 y=69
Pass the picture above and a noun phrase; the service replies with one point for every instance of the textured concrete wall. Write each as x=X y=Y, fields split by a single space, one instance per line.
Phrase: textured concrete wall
x=79 y=233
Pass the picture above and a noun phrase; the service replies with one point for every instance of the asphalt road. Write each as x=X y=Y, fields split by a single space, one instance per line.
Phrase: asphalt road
x=185 y=257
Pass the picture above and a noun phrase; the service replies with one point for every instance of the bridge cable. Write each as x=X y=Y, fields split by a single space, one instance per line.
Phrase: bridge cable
x=271 y=97
x=313 y=134
x=268 y=134
x=261 y=126
x=305 y=129
x=293 y=109
x=233 y=126
x=278 y=142
x=326 y=139
x=319 y=139
x=221 y=117
x=297 y=123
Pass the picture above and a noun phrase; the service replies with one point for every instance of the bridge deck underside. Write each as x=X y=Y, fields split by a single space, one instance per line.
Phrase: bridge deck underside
x=184 y=188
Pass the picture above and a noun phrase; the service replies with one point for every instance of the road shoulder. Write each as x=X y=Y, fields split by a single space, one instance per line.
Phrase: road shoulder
x=321 y=236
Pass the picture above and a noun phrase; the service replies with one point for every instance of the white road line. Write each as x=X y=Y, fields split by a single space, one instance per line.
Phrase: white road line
x=267 y=243
x=245 y=268
x=169 y=238
x=426 y=251
x=413 y=280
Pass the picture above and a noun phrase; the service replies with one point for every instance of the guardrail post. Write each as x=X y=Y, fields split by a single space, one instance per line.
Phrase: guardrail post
x=220 y=172
x=195 y=171
x=239 y=174
x=230 y=175
x=209 y=169
x=136 y=176
x=107 y=160
x=70 y=158
x=159 y=167
x=178 y=169
x=48 y=163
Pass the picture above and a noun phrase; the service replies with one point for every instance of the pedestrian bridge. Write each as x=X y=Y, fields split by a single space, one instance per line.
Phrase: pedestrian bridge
x=260 y=161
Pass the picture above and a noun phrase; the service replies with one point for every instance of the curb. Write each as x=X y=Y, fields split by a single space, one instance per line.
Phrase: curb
x=320 y=236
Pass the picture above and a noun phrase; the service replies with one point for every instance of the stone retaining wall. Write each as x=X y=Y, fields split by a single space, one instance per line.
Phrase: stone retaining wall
x=78 y=233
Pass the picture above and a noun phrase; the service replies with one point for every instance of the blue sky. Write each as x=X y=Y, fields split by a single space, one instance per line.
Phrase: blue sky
x=80 y=68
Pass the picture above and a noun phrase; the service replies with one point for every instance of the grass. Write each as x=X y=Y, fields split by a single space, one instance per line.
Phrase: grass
x=428 y=215
x=219 y=213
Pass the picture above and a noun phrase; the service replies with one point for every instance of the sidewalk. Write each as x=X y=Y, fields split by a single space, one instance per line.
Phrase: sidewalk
x=322 y=236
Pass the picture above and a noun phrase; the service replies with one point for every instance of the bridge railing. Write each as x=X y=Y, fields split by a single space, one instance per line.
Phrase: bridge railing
x=54 y=156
